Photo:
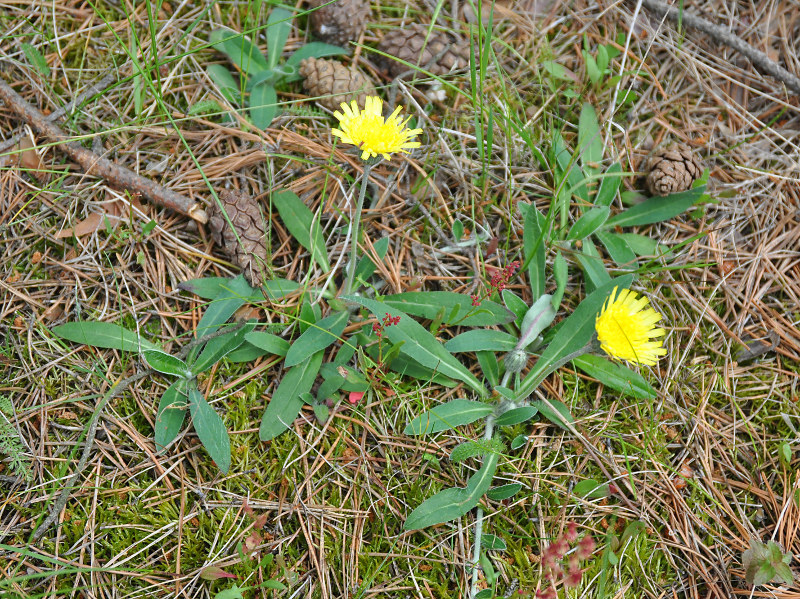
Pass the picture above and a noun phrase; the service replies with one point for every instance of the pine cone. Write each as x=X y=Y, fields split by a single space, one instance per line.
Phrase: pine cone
x=334 y=83
x=339 y=23
x=437 y=52
x=251 y=254
x=672 y=170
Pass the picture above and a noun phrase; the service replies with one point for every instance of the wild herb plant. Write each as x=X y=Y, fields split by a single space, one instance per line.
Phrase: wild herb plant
x=260 y=74
x=497 y=327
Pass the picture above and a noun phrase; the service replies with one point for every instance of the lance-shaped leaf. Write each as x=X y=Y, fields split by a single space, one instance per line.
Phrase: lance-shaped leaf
x=102 y=334
x=419 y=344
x=657 y=209
x=172 y=411
x=616 y=376
x=446 y=416
x=318 y=336
x=165 y=363
x=287 y=400
x=453 y=503
x=457 y=308
x=302 y=224
x=210 y=429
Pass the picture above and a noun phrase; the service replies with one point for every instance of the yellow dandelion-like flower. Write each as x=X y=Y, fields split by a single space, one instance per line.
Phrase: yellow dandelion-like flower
x=367 y=130
x=625 y=329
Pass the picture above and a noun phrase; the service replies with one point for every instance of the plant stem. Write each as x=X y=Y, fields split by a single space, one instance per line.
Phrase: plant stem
x=476 y=555
x=354 y=227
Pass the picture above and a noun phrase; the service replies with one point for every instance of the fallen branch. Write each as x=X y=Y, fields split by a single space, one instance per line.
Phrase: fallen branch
x=92 y=164
x=720 y=34
x=90 y=91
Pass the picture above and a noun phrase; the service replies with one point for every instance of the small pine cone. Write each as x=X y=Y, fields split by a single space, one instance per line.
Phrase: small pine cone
x=251 y=254
x=340 y=22
x=437 y=52
x=333 y=83
x=672 y=170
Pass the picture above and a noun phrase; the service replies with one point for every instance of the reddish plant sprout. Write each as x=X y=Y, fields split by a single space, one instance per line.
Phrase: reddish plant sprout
x=561 y=561
x=498 y=282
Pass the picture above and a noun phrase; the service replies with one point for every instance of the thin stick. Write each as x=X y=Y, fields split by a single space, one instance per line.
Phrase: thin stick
x=90 y=91
x=760 y=60
x=92 y=164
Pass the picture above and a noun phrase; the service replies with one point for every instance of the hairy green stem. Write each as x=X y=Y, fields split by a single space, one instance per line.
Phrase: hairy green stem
x=354 y=227
x=476 y=554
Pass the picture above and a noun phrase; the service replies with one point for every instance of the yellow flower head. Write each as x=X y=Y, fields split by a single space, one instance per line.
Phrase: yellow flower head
x=374 y=136
x=625 y=329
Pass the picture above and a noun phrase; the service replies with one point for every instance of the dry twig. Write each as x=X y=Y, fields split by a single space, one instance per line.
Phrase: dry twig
x=117 y=175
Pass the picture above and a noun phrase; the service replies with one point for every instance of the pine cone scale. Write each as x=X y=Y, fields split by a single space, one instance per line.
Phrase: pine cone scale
x=672 y=170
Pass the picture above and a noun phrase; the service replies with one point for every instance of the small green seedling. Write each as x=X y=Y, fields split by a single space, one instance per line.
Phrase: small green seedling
x=261 y=73
x=765 y=563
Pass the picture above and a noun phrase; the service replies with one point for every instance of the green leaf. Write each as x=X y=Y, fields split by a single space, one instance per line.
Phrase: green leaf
x=504 y=491
x=246 y=352
x=481 y=340
x=493 y=542
x=457 y=307
x=592 y=71
x=618 y=249
x=518 y=441
x=657 y=209
x=171 y=414
x=516 y=415
x=234 y=293
x=485 y=593
x=591 y=221
x=533 y=240
x=317 y=337
x=273 y=584
x=234 y=592
x=210 y=429
x=279 y=24
x=591 y=489
x=763 y=574
x=560 y=274
x=783 y=573
x=555 y=411
x=286 y=402
x=302 y=224
x=538 y=317
x=212 y=287
x=515 y=303
x=490 y=366
x=419 y=344
x=590 y=142
x=366 y=267
x=263 y=104
x=314 y=50
x=268 y=342
x=454 y=413
x=165 y=363
x=219 y=347
x=609 y=185
x=239 y=50
x=642 y=245
x=574 y=333
x=453 y=503
x=102 y=334
x=555 y=70
x=616 y=376
x=36 y=58
x=227 y=85
x=592 y=265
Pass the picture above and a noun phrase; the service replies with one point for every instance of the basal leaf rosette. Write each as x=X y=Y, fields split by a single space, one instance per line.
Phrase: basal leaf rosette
x=626 y=328
x=369 y=132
